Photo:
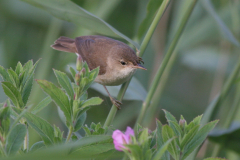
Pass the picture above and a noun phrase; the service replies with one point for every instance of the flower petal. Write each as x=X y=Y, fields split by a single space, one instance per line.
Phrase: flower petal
x=118 y=146
x=129 y=132
x=118 y=139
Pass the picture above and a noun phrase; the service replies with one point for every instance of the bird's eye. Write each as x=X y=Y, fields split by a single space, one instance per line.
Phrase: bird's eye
x=123 y=63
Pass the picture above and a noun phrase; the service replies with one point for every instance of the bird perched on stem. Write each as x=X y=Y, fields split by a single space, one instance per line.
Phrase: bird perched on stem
x=117 y=61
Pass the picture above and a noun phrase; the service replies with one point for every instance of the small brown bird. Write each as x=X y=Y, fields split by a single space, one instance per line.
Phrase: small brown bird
x=117 y=61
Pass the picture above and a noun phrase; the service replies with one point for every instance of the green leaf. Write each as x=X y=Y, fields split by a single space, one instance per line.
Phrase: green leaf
x=176 y=128
x=58 y=96
x=26 y=69
x=4 y=74
x=153 y=142
x=73 y=72
x=222 y=26
x=93 y=126
x=5 y=120
x=91 y=102
x=87 y=131
x=144 y=141
x=147 y=154
x=28 y=65
x=189 y=136
x=94 y=149
x=15 y=139
x=82 y=111
x=143 y=136
x=27 y=89
x=88 y=77
x=169 y=116
x=198 y=138
x=152 y=8
x=14 y=78
x=167 y=134
x=12 y=92
x=65 y=82
x=75 y=14
x=215 y=158
x=160 y=152
x=135 y=151
x=94 y=73
x=159 y=139
x=27 y=81
x=37 y=146
x=86 y=141
x=19 y=68
x=84 y=96
x=197 y=120
x=27 y=78
x=42 y=127
x=62 y=152
x=58 y=135
x=80 y=122
x=42 y=105
x=227 y=138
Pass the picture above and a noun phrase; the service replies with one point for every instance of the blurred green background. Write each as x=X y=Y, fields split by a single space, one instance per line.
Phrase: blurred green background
x=202 y=61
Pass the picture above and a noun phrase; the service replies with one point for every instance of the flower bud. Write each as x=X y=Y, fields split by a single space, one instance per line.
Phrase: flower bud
x=77 y=78
x=83 y=71
x=79 y=63
x=5 y=105
x=120 y=139
x=182 y=123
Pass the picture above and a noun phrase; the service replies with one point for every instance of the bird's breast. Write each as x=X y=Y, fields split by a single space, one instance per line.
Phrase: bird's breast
x=115 y=78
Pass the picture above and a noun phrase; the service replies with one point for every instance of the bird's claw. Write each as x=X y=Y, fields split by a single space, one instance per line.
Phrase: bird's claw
x=116 y=103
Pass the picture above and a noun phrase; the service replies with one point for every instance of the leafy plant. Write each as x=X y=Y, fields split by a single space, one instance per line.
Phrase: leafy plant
x=175 y=140
x=71 y=99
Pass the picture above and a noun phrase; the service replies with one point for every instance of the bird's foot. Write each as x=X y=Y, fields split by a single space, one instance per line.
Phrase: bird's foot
x=116 y=103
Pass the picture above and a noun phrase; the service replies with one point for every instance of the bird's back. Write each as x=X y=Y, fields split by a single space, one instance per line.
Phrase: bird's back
x=93 y=49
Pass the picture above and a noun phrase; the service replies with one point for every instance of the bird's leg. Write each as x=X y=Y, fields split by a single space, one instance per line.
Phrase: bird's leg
x=114 y=101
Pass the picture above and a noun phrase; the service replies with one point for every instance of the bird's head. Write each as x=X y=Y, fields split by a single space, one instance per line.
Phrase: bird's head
x=125 y=60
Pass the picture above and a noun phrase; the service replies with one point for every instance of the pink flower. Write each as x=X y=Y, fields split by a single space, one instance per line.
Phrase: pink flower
x=119 y=138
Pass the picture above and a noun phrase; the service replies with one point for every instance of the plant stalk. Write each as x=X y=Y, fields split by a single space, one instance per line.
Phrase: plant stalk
x=69 y=134
x=165 y=61
x=153 y=26
x=143 y=47
x=26 y=142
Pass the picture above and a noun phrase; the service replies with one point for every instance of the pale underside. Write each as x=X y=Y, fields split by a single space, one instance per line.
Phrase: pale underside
x=115 y=76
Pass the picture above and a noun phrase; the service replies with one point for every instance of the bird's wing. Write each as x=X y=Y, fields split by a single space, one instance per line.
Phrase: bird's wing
x=87 y=47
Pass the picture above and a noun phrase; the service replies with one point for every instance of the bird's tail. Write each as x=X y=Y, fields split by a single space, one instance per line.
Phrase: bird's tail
x=65 y=44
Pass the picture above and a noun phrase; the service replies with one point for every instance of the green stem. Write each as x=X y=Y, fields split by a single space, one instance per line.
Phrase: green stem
x=165 y=61
x=113 y=110
x=153 y=26
x=26 y=142
x=69 y=133
x=143 y=47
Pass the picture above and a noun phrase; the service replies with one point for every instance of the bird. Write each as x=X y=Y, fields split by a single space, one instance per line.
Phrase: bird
x=117 y=60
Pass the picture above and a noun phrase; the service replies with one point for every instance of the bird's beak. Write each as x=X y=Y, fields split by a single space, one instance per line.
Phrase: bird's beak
x=139 y=66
